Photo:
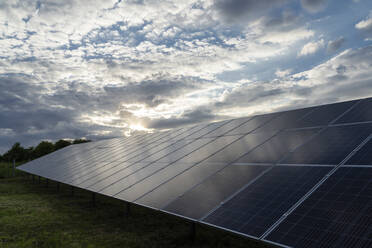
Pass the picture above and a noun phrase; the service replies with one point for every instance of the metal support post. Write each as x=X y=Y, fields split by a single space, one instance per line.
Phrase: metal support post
x=193 y=232
x=93 y=199
x=13 y=167
x=128 y=210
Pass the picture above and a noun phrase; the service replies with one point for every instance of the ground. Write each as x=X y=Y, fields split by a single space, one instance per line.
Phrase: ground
x=33 y=215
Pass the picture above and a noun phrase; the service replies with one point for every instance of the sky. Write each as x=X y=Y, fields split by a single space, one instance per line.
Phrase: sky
x=101 y=69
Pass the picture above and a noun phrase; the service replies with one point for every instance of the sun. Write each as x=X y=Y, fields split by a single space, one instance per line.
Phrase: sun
x=138 y=127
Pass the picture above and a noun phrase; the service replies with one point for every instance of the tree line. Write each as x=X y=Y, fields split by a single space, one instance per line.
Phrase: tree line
x=21 y=154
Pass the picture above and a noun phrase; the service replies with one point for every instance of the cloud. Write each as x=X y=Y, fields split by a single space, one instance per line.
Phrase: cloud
x=156 y=64
x=152 y=92
x=283 y=73
x=365 y=25
x=314 y=6
x=233 y=9
x=311 y=48
x=198 y=115
x=334 y=45
x=343 y=77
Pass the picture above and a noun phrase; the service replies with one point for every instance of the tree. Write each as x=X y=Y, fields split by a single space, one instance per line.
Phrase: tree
x=17 y=152
x=44 y=148
x=61 y=144
x=29 y=153
x=79 y=141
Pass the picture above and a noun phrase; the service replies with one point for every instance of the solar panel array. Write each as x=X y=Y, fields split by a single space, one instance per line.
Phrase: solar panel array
x=299 y=178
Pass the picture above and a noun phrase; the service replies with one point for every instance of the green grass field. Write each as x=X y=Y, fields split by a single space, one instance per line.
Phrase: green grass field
x=32 y=215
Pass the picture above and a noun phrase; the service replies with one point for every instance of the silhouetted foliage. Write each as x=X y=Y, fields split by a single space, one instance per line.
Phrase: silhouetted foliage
x=17 y=152
x=79 y=141
x=61 y=144
x=21 y=154
x=42 y=149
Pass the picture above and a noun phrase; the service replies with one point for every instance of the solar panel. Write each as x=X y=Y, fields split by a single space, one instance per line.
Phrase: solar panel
x=259 y=205
x=331 y=146
x=337 y=214
x=361 y=113
x=244 y=175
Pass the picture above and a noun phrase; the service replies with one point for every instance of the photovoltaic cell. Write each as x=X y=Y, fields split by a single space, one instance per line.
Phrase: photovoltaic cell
x=211 y=192
x=337 y=214
x=362 y=112
x=275 y=148
x=207 y=150
x=239 y=147
x=222 y=130
x=331 y=146
x=69 y=153
x=323 y=115
x=284 y=120
x=261 y=204
x=363 y=156
x=252 y=124
x=209 y=128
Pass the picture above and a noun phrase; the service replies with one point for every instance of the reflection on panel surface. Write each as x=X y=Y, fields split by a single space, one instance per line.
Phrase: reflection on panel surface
x=208 y=149
x=337 y=214
x=330 y=146
x=209 y=128
x=263 y=202
x=170 y=189
x=211 y=192
x=184 y=151
x=275 y=148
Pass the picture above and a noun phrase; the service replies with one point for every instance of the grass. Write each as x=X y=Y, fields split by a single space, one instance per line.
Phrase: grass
x=32 y=215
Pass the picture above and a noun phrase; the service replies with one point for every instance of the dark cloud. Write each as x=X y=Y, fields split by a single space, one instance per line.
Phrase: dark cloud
x=249 y=95
x=334 y=45
x=314 y=6
x=201 y=114
x=284 y=20
x=233 y=9
x=152 y=92
x=30 y=114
